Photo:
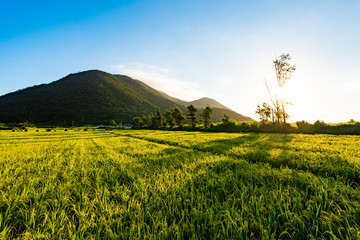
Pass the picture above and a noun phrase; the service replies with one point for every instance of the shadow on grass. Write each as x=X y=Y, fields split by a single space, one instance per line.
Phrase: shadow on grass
x=256 y=197
x=272 y=149
x=250 y=140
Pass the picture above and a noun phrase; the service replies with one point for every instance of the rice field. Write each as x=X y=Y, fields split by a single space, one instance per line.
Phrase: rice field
x=143 y=184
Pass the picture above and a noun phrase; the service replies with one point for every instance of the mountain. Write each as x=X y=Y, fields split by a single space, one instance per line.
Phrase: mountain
x=200 y=103
x=93 y=97
x=218 y=108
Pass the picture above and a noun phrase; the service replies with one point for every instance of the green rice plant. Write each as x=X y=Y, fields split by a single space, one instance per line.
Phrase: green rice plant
x=133 y=184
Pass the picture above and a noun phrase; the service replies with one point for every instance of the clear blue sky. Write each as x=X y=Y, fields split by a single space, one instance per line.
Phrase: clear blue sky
x=190 y=49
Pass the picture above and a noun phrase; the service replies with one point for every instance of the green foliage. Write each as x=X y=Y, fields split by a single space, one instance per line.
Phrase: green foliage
x=225 y=118
x=283 y=69
x=206 y=115
x=169 y=117
x=178 y=116
x=191 y=115
x=137 y=122
x=264 y=111
x=3 y=126
x=158 y=120
x=320 y=126
x=189 y=185
x=149 y=119
x=144 y=121
x=234 y=126
x=303 y=126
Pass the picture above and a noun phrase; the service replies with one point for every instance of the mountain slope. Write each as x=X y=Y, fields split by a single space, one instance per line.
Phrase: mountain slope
x=200 y=103
x=218 y=108
x=89 y=97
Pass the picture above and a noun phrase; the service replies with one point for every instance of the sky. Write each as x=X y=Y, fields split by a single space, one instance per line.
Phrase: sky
x=191 y=49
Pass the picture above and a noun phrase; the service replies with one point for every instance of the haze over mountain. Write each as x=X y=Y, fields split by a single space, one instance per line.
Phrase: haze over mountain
x=93 y=97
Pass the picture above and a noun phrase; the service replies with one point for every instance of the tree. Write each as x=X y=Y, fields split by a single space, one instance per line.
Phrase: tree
x=206 y=115
x=225 y=118
x=264 y=111
x=191 y=112
x=178 y=116
x=284 y=72
x=144 y=121
x=283 y=69
x=169 y=116
x=136 y=122
x=158 y=120
x=149 y=121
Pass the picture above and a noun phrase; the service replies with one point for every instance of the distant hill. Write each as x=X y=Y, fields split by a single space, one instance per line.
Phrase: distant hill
x=218 y=108
x=200 y=103
x=93 y=97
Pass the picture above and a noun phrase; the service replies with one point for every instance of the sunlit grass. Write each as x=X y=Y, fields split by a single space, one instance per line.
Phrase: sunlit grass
x=184 y=185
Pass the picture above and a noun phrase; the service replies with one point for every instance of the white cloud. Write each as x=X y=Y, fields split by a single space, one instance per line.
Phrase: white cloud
x=158 y=78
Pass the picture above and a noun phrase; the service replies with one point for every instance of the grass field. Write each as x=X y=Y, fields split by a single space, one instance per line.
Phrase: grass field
x=127 y=184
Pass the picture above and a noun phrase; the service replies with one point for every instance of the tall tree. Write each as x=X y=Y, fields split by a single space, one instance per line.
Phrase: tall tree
x=144 y=121
x=191 y=112
x=225 y=118
x=149 y=121
x=158 y=120
x=169 y=116
x=284 y=71
x=178 y=116
x=206 y=115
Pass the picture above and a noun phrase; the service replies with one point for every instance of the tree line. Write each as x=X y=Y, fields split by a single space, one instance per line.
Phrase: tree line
x=174 y=117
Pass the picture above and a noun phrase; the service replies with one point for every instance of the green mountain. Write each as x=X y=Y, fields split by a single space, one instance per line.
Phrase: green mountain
x=93 y=97
x=200 y=103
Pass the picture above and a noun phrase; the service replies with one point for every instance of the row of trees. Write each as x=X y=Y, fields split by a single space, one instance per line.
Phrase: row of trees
x=173 y=118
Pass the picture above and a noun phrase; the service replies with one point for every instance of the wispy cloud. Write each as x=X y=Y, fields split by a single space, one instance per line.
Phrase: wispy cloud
x=160 y=79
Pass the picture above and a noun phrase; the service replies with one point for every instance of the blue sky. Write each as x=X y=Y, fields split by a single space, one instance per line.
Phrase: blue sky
x=190 y=49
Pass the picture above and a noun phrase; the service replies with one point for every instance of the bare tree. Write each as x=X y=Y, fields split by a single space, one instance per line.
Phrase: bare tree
x=284 y=71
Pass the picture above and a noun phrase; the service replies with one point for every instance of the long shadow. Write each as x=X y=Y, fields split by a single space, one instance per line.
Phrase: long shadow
x=259 y=148
x=258 y=194
x=263 y=141
x=175 y=156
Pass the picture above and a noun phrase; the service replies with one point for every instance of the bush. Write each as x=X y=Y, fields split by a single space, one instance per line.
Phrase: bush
x=3 y=126
x=303 y=127
x=232 y=125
